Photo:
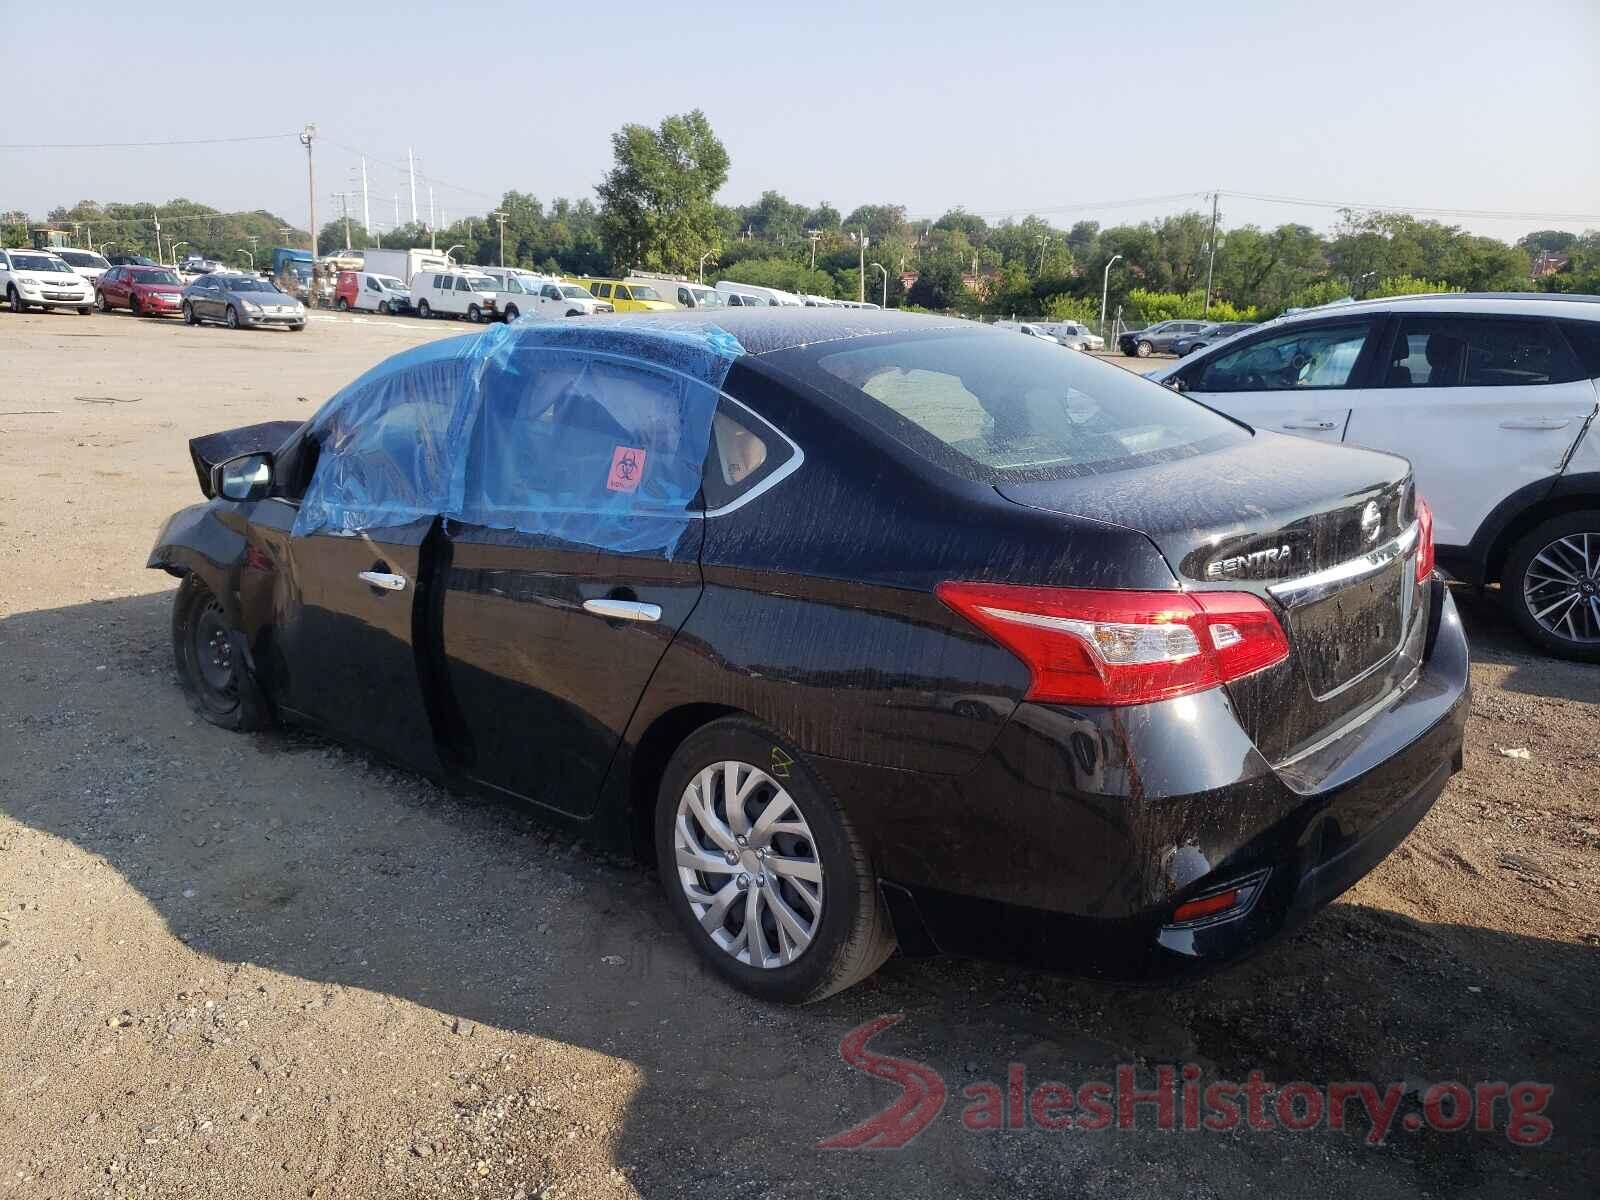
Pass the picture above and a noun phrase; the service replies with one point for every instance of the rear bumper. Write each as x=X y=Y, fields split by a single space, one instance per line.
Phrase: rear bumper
x=1072 y=844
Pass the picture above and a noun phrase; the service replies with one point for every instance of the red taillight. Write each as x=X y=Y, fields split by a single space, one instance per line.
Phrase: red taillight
x=1210 y=906
x=1087 y=646
x=1425 y=555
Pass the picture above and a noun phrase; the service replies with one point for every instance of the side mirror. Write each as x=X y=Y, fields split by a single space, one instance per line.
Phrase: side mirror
x=1177 y=384
x=243 y=477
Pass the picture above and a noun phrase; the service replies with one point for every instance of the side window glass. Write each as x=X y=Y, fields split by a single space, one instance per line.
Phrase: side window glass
x=684 y=298
x=587 y=450
x=461 y=283
x=1584 y=338
x=1477 y=352
x=551 y=292
x=744 y=452
x=1322 y=356
x=602 y=290
x=622 y=293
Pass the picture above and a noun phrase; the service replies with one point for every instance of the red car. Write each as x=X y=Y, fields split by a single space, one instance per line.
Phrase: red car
x=143 y=291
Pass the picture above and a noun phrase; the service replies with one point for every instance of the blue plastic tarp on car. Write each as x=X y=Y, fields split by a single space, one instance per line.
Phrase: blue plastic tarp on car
x=591 y=432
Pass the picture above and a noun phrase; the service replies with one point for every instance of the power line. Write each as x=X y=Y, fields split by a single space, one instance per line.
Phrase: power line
x=264 y=137
x=1482 y=214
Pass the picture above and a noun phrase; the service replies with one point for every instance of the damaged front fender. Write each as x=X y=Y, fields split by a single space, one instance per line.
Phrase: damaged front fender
x=202 y=541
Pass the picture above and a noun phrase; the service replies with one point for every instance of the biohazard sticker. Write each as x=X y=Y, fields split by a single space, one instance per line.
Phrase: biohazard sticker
x=627 y=468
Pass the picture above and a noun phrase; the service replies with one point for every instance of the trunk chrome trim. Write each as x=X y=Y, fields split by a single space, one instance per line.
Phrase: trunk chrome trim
x=1308 y=589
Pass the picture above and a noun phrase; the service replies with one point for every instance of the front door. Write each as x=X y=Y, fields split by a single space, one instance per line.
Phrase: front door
x=575 y=564
x=1481 y=404
x=1299 y=381
x=337 y=648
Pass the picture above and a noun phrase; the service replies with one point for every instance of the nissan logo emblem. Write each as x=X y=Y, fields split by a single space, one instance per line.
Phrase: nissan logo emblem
x=1371 y=521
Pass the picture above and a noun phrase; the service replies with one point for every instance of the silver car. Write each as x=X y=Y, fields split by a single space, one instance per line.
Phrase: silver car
x=241 y=300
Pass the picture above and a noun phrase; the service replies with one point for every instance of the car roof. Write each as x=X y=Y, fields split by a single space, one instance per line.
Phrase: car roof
x=768 y=329
x=1545 y=304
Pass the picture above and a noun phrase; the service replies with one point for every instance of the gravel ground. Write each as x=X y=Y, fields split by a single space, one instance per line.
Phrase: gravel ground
x=266 y=966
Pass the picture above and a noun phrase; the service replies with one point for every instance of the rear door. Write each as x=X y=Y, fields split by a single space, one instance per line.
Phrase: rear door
x=1481 y=404
x=569 y=574
x=1298 y=380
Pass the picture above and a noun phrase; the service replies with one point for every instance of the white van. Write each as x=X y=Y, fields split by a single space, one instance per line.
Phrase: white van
x=692 y=295
x=774 y=297
x=468 y=294
x=85 y=262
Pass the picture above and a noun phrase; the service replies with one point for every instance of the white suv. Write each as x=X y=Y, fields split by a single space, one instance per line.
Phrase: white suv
x=1493 y=398
x=39 y=279
x=454 y=293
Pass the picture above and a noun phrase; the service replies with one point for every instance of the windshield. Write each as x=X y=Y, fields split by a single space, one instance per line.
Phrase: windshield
x=154 y=275
x=569 y=292
x=481 y=283
x=1003 y=409
x=390 y=283
x=39 y=262
x=707 y=298
x=83 y=258
x=248 y=283
x=643 y=291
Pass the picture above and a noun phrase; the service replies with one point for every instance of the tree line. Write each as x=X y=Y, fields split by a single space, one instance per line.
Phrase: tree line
x=657 y=209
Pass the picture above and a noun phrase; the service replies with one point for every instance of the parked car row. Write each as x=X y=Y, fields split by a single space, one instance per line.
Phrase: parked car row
x=1165 y=337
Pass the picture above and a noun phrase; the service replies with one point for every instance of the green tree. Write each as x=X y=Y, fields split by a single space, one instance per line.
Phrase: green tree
x=656 y=204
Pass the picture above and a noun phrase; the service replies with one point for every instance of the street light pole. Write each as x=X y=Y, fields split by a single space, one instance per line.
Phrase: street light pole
x=703 y=257
x=813 y=237
x=885 y=271
x=252 y=257
x=174 y=249
x=1105 y=286
x=502 y=218
x=307 y=135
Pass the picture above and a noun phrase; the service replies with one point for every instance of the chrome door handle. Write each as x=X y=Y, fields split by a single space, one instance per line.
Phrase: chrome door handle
x=1536 y=423
x=1309 y=425
x=623 y=610
x=378 y=579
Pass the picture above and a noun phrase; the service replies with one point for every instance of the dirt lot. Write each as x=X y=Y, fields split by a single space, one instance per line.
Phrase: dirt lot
x=264 y=966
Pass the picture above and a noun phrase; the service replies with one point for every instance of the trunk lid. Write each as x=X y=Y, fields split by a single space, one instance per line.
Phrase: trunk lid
x=1317 y=531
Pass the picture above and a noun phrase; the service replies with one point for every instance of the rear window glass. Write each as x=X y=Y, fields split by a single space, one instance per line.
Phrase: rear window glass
x=1004 y=408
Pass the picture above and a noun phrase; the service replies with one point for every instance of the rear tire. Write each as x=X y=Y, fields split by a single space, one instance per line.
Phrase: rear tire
x=204 y=645
x=849 y=934
x=342 y=304
x=1543 y=569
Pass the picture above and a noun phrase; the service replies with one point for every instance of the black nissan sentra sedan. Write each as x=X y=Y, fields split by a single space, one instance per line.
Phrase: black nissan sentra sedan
x=871 y=629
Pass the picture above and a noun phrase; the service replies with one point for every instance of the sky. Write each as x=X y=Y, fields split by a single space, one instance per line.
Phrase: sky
x=1103 y=111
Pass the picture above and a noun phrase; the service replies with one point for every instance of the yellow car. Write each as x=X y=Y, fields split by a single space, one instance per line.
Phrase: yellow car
x=626 y=296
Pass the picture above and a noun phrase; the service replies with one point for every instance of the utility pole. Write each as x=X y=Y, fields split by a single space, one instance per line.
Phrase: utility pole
x=307 y=136
x=411 y=165
x=1211 y=263
x=861 y=273
x=157 y=214
x=432 y=245
x=397 y=210
x=502 y=217
x=813 y=238
x=344 y=208
x=366 y=199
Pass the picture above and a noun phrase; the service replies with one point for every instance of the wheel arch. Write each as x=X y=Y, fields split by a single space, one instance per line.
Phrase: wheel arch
x=636 y=777
x=1519 y=512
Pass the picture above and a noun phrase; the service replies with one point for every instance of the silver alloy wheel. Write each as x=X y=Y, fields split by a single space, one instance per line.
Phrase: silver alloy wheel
x=748 y=864
x=1561 y=587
